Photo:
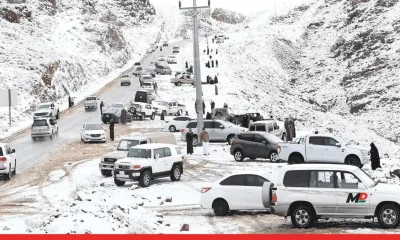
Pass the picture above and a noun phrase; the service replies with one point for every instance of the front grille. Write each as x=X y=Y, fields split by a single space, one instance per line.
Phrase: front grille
x=123 y=167
x=95 y=135
x=41 y=114
x=110 y=160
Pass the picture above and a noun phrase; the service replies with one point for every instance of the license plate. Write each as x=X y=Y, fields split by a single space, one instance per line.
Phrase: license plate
x=135 y=174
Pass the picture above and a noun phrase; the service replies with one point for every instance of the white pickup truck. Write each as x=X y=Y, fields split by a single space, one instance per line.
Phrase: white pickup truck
x=171 y=108
x=319 y=148
x=48 y=109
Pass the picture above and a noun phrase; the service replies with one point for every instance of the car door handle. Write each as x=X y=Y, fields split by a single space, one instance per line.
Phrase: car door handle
x=312 y=192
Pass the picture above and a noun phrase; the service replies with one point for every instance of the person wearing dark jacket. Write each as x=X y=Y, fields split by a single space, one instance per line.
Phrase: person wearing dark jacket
x=208 y=79
x=162 y=116
x=69 y=101
x=213 y=40
x=210 y=57
x=216 y=63
x=124 y=114
x=189 y=142
x=212 y=63
x=112 y=129
x=101 y=107
x=208 y=64
x=375 y=159
x=204 y=107
x=216 y=51
x=208 y=116
x=215 y=79
x=212 y=105
x=225 y=105
x=186 y=65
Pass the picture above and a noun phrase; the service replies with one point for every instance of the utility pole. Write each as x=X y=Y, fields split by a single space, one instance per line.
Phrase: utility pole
x=196 y=58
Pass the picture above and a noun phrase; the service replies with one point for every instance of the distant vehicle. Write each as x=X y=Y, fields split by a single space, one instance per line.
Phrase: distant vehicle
x=44 y=127
x=234 y=192
x=107 y=161
x=165 y=44
x=171 y=59
x=143 y=96
x=222 y=37
x=255 y=145
x=149 y=87
x=145 y=78
x=173 y=108
x=147 y=162
x=114 y=112
x=220 y=113
x=186 y=37
x=183 y=79
x=319 y=148
x=93 y=132
x=175 y=50
x=90 y=103
x=125 y=80
x=239 y=119
x=163 y=70
x=139 y=71
x=8 y=161
x=48 y=109
x=137 y=64
x=177 y=123
x=269 y=126
x=142 y=110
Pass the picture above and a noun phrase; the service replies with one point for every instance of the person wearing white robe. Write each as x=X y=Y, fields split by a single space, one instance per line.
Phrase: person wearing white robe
x=205 y=138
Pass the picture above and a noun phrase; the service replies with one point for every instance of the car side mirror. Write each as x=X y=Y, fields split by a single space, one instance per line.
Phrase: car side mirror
x=221 y=126
x=13 y=151
x=361 y=186
x=338 y=145
x=264 y=142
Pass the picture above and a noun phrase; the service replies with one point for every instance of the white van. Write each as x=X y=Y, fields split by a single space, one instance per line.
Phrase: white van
x=269 y=126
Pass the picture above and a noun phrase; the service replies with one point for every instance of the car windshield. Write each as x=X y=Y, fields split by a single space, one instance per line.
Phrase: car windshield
x=147 y=84
x=44 y=106
x=163 y=103
x=91 y=99
x=93 y=127
x=125 y=145
x=147 y=77
x=139 y=153
x=40 y=123
x=272 y=138
x=117 y=105
x=365 y=177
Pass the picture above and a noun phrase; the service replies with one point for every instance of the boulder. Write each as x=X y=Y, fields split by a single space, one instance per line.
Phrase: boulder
x=185 y=227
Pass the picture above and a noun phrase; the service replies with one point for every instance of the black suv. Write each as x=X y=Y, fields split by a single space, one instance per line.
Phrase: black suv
x=239 y=119
x=255 y=145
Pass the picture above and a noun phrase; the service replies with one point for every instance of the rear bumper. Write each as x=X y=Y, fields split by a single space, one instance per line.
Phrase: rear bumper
x=206 y=202
x=4 y=170
x=126 y=174
x=94 y=139
x=90 y=106
x=279 y=210
x=40 y=134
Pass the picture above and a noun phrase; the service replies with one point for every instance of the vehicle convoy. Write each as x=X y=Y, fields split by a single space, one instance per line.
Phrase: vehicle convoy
x=114 y=112
x=171 y=59
x=175 y=49
x=125 y=80
x=8 y=161
x=107 y=161
x=183 y=79
x=143 y=96
x=171 y=108
x=255 y=145
x=218 y=130
x=307 y=193
x=90 y=103
x=324 y=149
x=48 y=109
x=269 y=126
x=44 y=127
x=177 y=123
x=147 y=162
x=142 y=110
x=93 y=132
x=234 y=192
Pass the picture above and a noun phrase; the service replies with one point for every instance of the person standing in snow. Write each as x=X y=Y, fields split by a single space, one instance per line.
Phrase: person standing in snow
x=216 y=63
x=210 y=57
x=204 y=108
x=225 y=105
x=208 y=64
x=205 y=138
x=101 y=107
x=162 y=116
x=208 y=51
x=216 y=51
x=212 y=63
x=287 y=129
x=124 y=114
x=69 y=101
x=215 y=79
x=292 y=127
x=375 y=159
x=213 y=40
x=189 y=142
x=112 y=129
x=208 y=116
x=208 y=79
x=212 y=105
x=186 y=65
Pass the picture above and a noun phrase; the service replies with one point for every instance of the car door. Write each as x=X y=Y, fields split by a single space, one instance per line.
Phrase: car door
x=260 y=146
x=254 y=185
x=333 y=153
x=322 y=192
x=159 y=164
x=352 y=195
x=148 y=110
x=211 y=130
x=220 y=131
x=315 y=149
x=234 y=191
x=247 y=142
x=169 y=159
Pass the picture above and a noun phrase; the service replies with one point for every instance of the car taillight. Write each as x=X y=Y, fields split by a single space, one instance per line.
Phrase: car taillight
x=3 y=159
x=274 y=197
x=182 y=130
x=137 y=167
x=205 y=189
x=278 y=148
x=233 y=140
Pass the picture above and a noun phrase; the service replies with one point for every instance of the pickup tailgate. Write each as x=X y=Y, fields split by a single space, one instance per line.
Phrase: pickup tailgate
x=287 y=148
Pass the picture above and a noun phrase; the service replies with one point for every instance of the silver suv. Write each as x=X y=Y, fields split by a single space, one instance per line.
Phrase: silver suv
x=90 y=103
x=44 y=127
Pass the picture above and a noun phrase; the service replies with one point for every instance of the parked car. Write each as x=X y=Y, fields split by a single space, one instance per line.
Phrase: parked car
x=139 y=71
x=145 y=78
x=147 y=162
x=306 y=193
x=220 y=113
x=171 y=108
x=255 y=145
x=234 y=192
x=93 y=132
x=137 y=64
x=165 y=44
x=239 y=119
x=114 y=112
x=175 y=50
x=163 y=70
x=47 y=109
x=171 y=59
x=150 y=88
x=44 y=127
x=218 y=130
x=107 y=161
x=143 y=96
x=8 y=161
x=142 y=110
x=269 y=126
x=323 y=149
x=183 y=79
x=90 y=103
x=177 y=123
x=125 y=80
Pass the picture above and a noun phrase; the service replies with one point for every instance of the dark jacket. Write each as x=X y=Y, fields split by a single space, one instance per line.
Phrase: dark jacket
x=375 y=159
x=189 y=137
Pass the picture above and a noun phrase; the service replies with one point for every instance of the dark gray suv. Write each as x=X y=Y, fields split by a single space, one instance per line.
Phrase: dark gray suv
x=255 y=145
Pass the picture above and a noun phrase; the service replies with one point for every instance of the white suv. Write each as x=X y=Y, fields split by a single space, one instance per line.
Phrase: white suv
x=308 y=192
x=8 y=161
x=147 y=162
x=142 y=110
x=48 y=109
x=44 y=127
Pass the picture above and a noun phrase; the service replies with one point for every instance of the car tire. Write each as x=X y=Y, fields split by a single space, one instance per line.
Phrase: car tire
x=273 y=157
x=220 y=207
x=153 y=116
x=106 y=173
x=145 y=179
x=179 y=84
x=172 y=128
x=303 y=217
x=176 y=173
x=15 y=168
x=352 y=160
x=9 y=174
x=238 y=155
x=118 y=182
x=142 y=117
x=218 y=114
x=295 y=159
x=229 y=139
x=388 y=216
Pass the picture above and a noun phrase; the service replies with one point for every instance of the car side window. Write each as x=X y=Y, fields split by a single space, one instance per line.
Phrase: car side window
x=317 y=141
x=325 y=179
x=237 y=180
x=246 y=137
x=261 y=128
x=192 y=125
x=297 y=178
x=143 y=142
x=330 y=141
x=178 y=150
x=259 y=139
x=252 y=128
x=276 y=126
x=270 y=128
x=208 y=125
x=167 y=152
x=159 y=151
x=347 y=180
x=255 y=181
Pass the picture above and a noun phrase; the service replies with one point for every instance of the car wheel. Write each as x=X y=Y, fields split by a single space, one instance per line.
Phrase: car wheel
x=219 y=115
x=142 y=117
x=118 y=182
x=172 y=128
x=51 y=136
x=296 y=159
x=9 y=174
x=273 y=157
x=388 y=216
x=106 y=173
x=238 y=155
x=179 y=84
x=145 y=179
x=302 y=217
x=229 y=139
x=15 y=167
x=221 y=207
x=176 y=173
x=153 y=116
x=352 y=160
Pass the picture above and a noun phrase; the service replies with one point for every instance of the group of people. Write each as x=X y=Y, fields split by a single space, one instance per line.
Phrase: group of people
x=188 y=69
x=210 y=80
x=250 y=118
x=205 y=139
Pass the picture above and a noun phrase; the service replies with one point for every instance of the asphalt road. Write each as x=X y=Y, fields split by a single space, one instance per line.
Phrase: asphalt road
x=70 y=123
